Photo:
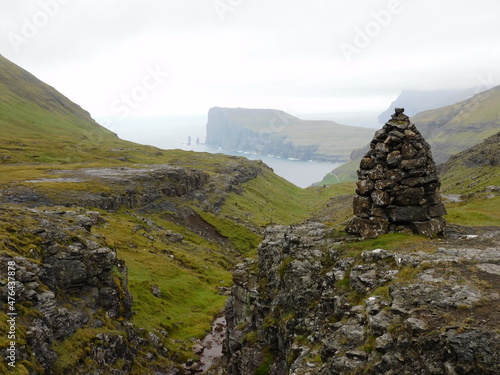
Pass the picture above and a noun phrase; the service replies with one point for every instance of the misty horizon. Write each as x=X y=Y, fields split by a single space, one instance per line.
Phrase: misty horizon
x=176 y=58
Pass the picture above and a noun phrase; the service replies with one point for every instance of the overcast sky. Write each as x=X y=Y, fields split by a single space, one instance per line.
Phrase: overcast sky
x=155 y=57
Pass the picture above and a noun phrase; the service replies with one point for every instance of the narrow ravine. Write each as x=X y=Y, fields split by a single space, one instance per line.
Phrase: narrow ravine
x=212 y=344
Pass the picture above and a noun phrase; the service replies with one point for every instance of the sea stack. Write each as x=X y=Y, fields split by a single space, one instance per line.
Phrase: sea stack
x=398 y=186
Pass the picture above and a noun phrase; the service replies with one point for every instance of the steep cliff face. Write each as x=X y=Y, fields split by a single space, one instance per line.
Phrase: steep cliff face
x=312 y=304
x=269 y=131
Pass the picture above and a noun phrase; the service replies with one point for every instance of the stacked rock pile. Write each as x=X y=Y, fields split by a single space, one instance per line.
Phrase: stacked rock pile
x=398 y=186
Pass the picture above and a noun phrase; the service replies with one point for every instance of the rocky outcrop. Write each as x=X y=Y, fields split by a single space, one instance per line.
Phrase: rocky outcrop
x=487 y=153
x=311 y=305
x=72 y=290
x=70 y=279
x=398 y=187
x=149 y=188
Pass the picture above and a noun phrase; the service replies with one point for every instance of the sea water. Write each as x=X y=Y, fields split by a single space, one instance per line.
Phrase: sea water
x=189 y=132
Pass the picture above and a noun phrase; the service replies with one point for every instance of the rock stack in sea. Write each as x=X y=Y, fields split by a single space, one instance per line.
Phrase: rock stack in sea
x=398 y=186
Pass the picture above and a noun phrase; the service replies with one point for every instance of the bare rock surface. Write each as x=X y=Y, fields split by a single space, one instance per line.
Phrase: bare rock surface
x=309 y=305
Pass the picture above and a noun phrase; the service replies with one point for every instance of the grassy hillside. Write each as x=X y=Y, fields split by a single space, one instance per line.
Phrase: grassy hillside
x=457 y=127
x=471 y=184
x=416 y=101
x=448 y=130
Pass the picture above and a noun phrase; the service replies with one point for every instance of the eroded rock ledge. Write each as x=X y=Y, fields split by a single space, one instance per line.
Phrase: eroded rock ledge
x=70 y=280
x=311 y=305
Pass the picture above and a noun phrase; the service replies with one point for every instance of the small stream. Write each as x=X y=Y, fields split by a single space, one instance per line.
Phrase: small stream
x=210 y=348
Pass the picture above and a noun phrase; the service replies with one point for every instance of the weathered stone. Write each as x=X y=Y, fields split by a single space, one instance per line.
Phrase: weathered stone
x=394 y=175
x=437 y=210
x=384 y=184
x=362 y=205
x=384 y=343
x=379 y=212
x=376 y=173
x=408 y=151
x=428 y=228
x=414 y=163
x=398 y=184
x=381 y=198
x=382 y=147
x=365 y=187
x=368 y=228
x=394 y=158
x=380 y=134
x=432 y=198
x=409 y=134
x=407 y=214
x=420 y=181
x=410 y=197
x=416 y=325
x=367 y=163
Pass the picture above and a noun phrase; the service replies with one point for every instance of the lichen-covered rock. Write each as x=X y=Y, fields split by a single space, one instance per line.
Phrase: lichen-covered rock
x=398 y=187
x=67 y=284
x=308 y=306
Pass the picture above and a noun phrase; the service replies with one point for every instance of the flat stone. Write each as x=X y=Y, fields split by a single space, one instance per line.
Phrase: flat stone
x=410 y=197
x=381 y=198
x=430 y=227
x=368 y=228
x=437 y=210
x=407 y=214
x=414 y=163
x=493 y=269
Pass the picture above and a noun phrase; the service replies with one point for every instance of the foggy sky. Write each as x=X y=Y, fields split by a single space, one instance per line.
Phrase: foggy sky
x=154 y=57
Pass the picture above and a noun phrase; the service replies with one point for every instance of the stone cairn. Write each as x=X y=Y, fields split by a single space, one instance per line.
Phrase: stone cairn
x=398 y=186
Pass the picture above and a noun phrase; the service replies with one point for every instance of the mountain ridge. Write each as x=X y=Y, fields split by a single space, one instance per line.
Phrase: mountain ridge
x=415 y=101
x=448 y=130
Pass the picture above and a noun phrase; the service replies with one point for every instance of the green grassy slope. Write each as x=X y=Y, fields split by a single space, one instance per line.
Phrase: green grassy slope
x=471 y=184
x=454 y=128
x=448 y=130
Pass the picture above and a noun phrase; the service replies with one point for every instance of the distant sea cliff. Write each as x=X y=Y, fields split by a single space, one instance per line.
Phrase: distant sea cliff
x=277 y=133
